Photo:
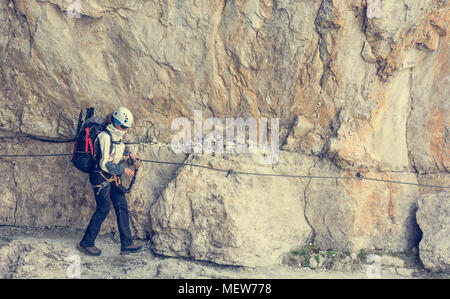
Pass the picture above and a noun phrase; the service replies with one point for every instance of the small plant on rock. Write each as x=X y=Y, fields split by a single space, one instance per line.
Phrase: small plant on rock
x=362 y=256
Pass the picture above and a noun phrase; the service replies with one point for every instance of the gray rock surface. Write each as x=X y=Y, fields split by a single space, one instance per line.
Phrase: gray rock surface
x=433 y=217
x=362 y=214
x=237 y=220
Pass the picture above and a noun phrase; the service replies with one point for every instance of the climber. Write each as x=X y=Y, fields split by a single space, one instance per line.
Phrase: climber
x=105 y=179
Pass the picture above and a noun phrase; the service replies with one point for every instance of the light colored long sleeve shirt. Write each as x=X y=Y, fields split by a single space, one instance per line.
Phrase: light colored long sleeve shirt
x=109 y=162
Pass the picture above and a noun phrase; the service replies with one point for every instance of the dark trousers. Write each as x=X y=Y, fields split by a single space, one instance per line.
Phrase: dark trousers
x=107 y=194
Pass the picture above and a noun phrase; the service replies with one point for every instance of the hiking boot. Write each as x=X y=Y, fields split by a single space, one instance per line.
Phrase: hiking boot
x=89 y=250
x=130 y=249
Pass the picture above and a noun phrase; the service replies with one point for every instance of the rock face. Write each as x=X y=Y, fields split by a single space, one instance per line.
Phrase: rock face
x=356 y=214
x=235 y=219
x=433 y=217
x=357 y=86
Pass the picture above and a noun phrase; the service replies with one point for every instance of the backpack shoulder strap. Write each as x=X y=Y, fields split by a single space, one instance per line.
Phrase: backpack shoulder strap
x=111 y=143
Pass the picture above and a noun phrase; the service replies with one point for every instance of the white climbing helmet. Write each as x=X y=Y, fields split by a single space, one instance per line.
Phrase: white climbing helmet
x=124 y=116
